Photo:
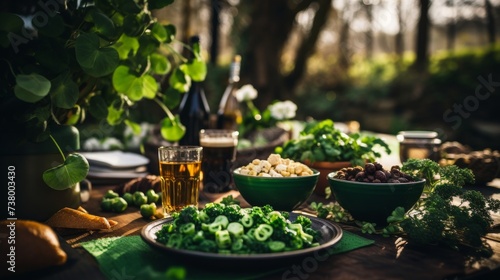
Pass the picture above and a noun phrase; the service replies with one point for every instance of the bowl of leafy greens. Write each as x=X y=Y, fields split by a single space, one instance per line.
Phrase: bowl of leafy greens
x=326 y=148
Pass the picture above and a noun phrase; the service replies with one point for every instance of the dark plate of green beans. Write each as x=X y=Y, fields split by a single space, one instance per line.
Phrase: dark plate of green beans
x=327 y=234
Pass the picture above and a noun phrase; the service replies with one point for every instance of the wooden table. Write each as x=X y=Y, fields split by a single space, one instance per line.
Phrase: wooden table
x=388 y=258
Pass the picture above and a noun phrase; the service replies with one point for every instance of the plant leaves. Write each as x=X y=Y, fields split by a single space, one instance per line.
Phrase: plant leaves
x=64 y=91
x=197 y=70
x=115 y=112
x=98 y=107
x=31 y=88
x=132 y=86
x=172 y=131
x=158 y=4
x=53 y=27
x=171 y=31
x=160 y=64
x=11 y=22
x=134 y=24
x=64 y=176
x=103 y=25
x=179 y=80
x=95 y=60
x=125 y=45
x=129 y=6
x=136 y=128
x=159 y=32
x=74 y=115
x=172 y=98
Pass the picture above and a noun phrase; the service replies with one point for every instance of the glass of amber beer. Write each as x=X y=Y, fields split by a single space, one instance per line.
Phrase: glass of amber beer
x=219 y=153
x=180 y=172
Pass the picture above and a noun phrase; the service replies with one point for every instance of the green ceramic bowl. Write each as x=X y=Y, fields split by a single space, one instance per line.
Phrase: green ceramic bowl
x=282 y=193
x=374 y=202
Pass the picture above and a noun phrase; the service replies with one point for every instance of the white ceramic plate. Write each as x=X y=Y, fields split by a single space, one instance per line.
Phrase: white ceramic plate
x=116 y=159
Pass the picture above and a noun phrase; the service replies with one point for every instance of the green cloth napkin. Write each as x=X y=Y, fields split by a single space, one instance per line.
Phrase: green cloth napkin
x=129 y=257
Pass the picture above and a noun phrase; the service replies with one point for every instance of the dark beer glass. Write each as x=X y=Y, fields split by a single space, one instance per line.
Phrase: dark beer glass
x=219 y=153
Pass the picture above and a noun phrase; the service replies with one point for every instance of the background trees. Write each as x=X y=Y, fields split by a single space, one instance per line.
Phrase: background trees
x=390 y=64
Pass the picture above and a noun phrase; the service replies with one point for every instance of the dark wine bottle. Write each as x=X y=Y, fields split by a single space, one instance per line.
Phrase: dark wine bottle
x=229 y=113
x=194 y=111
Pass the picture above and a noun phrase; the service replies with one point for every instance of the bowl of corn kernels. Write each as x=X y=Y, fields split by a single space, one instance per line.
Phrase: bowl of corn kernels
x=281 y=183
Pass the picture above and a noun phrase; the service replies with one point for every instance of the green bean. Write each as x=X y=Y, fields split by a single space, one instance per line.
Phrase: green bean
x=199 y=236
x=246 y=221
x=276 y=246
x=223 y=239
x=214 y=228
x=187 y=229
x=222 y=220
x=237 y=245
x=263 y=232
x=111 y=194
x=235 y=229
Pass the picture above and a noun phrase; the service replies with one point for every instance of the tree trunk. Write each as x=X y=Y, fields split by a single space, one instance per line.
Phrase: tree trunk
x=306 y=49
x=399 y=39
x=422 y=43
x=344 y=50
x=451 y=28
x=369 y=33
x=490 y=22
x=214 y=30
x=186 y=21
x=269 y=30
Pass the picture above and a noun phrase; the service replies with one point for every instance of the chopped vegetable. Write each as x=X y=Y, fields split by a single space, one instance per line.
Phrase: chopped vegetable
x=152 y=196
x=118 y=204
x=139 y=198
x=148 y=210
x=230 y=229
x=129 y=198
x=111 y=194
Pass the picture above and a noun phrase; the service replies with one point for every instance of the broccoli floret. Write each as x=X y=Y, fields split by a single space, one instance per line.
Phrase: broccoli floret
x=286 y=235
x=164 y=233
x=316 y=234
x=258 y=215
x=266 y=209
x=304 y=221
x=213 y=210
x=188 y=214
x=233 y=212
x=277 y=221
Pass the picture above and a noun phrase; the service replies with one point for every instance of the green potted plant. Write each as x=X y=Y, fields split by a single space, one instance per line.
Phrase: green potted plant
x=78 y=60
x=325 y=148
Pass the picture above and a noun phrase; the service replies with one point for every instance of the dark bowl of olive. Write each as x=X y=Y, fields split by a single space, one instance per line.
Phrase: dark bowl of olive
x=370 y=194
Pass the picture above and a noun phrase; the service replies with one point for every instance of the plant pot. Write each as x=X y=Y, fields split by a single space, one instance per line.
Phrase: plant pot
x=324 y=168
x=32 y=198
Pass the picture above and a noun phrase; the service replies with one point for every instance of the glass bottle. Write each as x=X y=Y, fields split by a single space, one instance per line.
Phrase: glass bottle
x=194 y=111
x=229 y=114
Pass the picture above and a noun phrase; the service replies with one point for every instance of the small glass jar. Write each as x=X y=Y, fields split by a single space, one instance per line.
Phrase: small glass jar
x=418 y=144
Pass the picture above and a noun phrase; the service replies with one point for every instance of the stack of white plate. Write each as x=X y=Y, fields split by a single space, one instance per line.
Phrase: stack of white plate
x=110 y=167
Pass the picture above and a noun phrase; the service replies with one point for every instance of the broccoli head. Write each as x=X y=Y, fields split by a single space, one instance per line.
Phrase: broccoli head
x=233 y=212
x=212 y=210
x=304 y=221
x=188 y=214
